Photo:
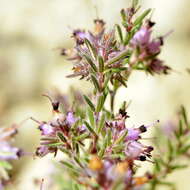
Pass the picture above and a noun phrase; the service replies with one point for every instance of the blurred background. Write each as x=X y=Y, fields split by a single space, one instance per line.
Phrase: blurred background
x=31 y=33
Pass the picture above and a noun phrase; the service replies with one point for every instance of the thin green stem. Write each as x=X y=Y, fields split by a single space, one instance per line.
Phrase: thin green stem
x=112 y=99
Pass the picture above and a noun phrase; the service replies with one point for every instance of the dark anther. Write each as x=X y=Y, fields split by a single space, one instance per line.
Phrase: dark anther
x=142 y=129
x=93 y=150
x=100 y=21
x=63 y=52
x=142 y=158
x=151 y=24
x=123 y=113
x=150 y=149
x=161 y=41
x=20 y=153
x=55 y=105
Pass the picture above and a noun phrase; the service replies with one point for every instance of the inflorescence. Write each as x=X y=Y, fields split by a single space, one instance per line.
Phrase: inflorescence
x=7 y=153
x=102 y=151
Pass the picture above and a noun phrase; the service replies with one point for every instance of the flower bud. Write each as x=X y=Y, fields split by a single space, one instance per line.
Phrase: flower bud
x=95 y=163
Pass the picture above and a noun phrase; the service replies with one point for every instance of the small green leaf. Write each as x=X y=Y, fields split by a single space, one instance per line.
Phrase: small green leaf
x=166 y=183
x=55 y=144
x=95 y=82
x=71 y=168
x=177 y=135
x=123 y=15
x=64 y=150
x=61 y=137
x=178 y=167
x=127 y=38
x=49 y=138
x=67 y=164
x=101 y=63
x=184 y=149
x=101 y=123
x=116 y=156
x=116 y=70
x=91 y=105
x=109 y=137
x=180 y=127
x=91 y=117
x=91 y=48
x=75 y=186
x=108 y=77
x=78 y=162
x=184 y=114
x=5 y=165
x=120 y=56
x=141 y=17
x=121 y=138
x=119 y=32
x=81 y=137
x=89 y=60
x=101 y=101
x=76 y=124
x=90 y=128
x=157 y=166
x=102 y=151
x=121 y=80
x=170 y=149
x=135 y=3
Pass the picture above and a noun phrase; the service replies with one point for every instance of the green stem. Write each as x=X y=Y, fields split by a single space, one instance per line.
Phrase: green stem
x=112 y=100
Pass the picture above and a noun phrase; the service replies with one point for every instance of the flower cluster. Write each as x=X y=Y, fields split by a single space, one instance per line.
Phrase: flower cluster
x=110 y=154
x=147 y=49
x=173 y=148
x=134 y=49
x=7 y=153
x=102 y=150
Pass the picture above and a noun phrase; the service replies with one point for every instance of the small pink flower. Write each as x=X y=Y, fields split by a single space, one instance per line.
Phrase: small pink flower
x=80 y=35
x=157 y=66
x=133 y=134
x=154 y=46
x=47 y=129
x=119 y=125
x=7 y=152
x=134 y=149
x=142 y=37
x=42 y=151
x=70 y=118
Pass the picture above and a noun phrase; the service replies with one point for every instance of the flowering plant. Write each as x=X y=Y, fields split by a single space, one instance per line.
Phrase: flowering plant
x=7 y=153
x=100 y=150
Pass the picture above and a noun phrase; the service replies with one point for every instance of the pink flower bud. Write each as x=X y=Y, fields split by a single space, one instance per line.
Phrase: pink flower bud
x=142 y=37
x=47 y=129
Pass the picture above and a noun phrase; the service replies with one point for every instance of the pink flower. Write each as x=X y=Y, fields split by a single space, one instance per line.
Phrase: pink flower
x=157 y=66
x=42 y=151
x=47 y=129
x=134 y=149
x=154 y=46
x=133 y=134
x=80 y=35
x=142 y=37
x=70 y=118
x=82 y=128
x=119 y=125
x=7 y=152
